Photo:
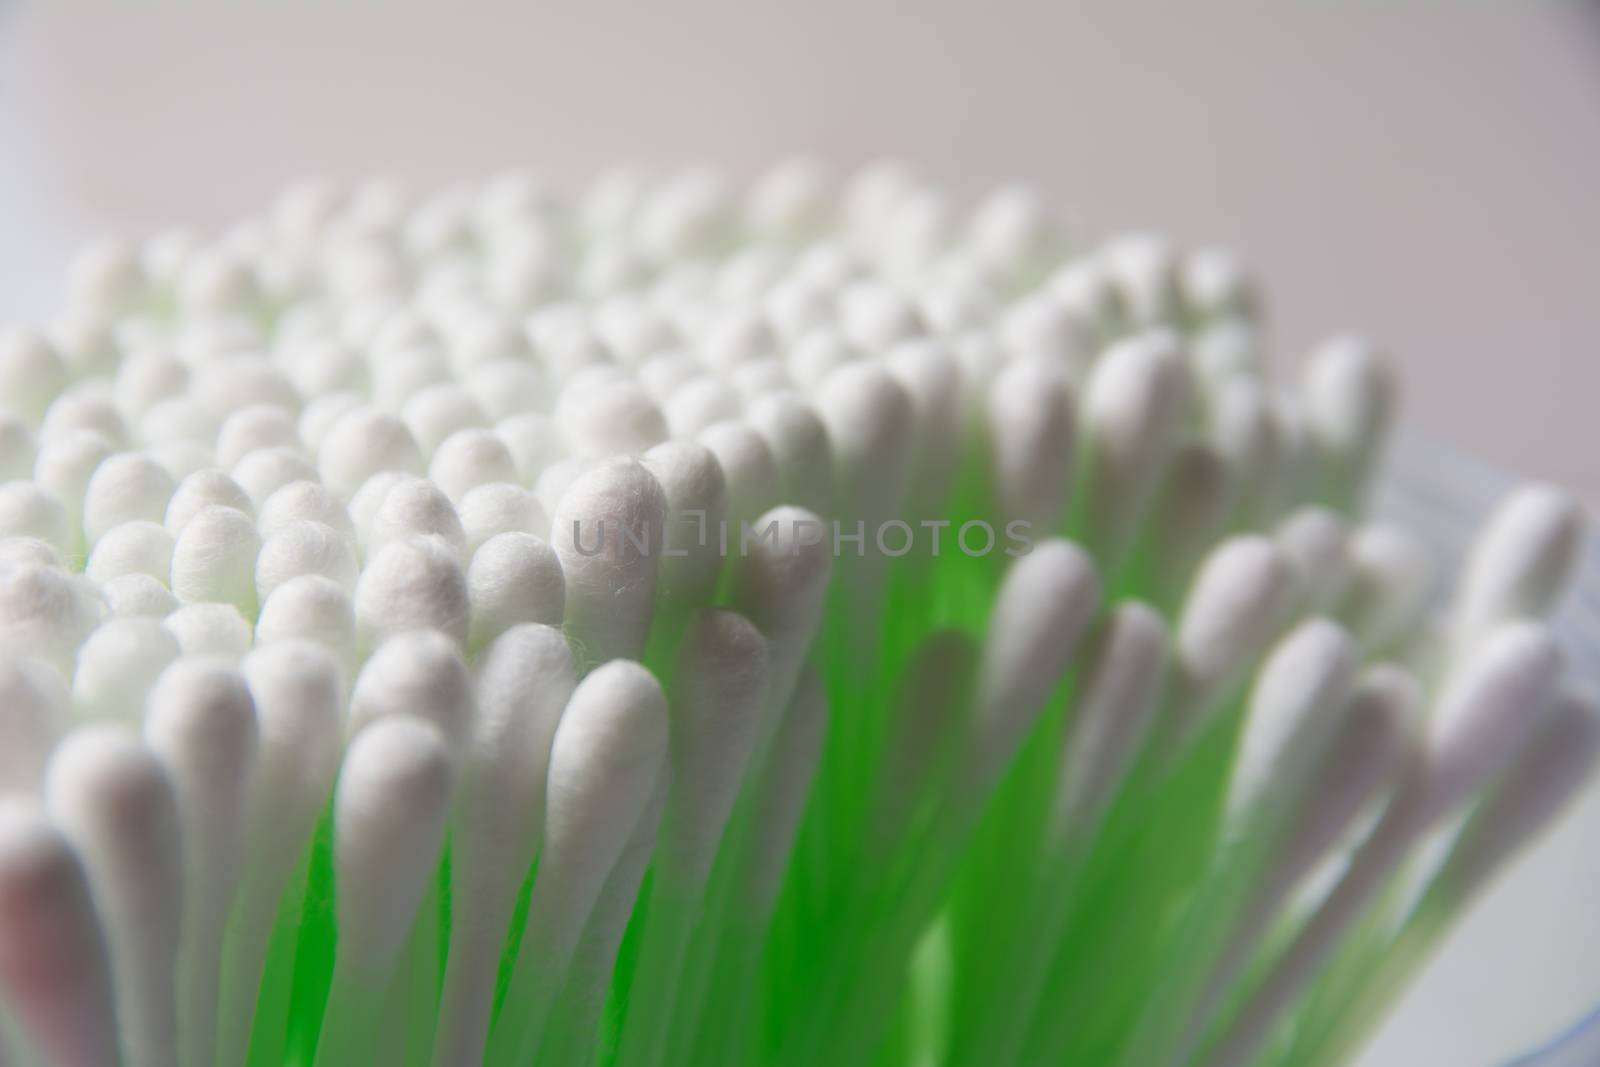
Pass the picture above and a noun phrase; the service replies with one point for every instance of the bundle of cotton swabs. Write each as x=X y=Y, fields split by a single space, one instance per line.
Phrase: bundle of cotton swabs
x=684 y=624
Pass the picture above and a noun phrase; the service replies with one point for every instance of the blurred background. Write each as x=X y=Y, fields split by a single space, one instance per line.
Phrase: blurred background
x=1427 y=175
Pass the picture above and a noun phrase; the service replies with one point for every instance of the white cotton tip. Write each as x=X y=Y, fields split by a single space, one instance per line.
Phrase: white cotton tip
x=203 y=489
x=388 y=825
x=181 y=458
x=258 y=426
x=1125 y=672
x=368 y=499
x=324 y=365
x=111 y=797
x=736 y=336
x=140 y=547
x=750 y=474
x=610 y=750
x=513 y=578
x=85 y=405
x=1041 y=327
x=1349 y=398
x=790 y=202
x=364 y=442
x=1145 y=272
x=607 y=416
x=32 y=373
x=419 y=673
x=415 y=583
x=799 y=441
x=795 y=309
x=405 y=372
x=305 y=501
x=607 y=532
x=1522 y=561
x=214 y=559
x=664 y=373
x=715 y=710
x=210 y=630
x=1240 y=597
x=125 y=487
x=506 y=388
x=468 y=459
x=28 y=509
x=138 y=596
x=1012 y=233
x=415 y=508
x=65 y=465
x=533 y=441
x=1495 y=701
x=1029 y=419
x=1133 y=409
x=179 y=420
x=202 y=726
x=1044 y=606
x=1293 y=712
x=34 y=711
x=310 y=608
x=1543 y=778
x=322 y=412
x=236 y=382
x=1316 y=542
x=524 y=681
x=118 y=665
x=304 y=547
x=929 y=373
x=697 y=506
x=1226 y=349
x=816 y=354
x=699 y=402
x=874 y=316
x=1391 y=581
x=16 y=448
x=266 y=470
x=28 y=552
x=53 y=962
x=105 y=276
x=496 y=508
x=47 y=613
x=870 y=424
x=1215 y=285
x=439 y=410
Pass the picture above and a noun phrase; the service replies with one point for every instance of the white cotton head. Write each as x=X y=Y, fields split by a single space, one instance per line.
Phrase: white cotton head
x=419 y=673
x=322 y=412
x=47 y=613
x=607 y=533
x=1133 y=408
x=16 y=448
x=929 y=373
x=138 y=596
x=1522 y=561
x=28 y=509
x=112 y=799
x=697 y=403
x=663 y=373
x=1495 y=701
x=410 y=584
x=210 y=630
x=750 y=474
x=304 y=547
x=85 y=405
x=28 y=552
x=697 y=505
x=214 y=559
x=65 y=464
x=388 y=825
x=1125 y=669
x=1349 y=401
x=513 y=578
x=405 y=372
x=497 y=508
x=298 y=689
x=524 y=679
x=533 y=441
x=124 y=487
x=1316 y=542
x=1239 y=599
x=257 y=426
x=816 y=354
x=715 y=719
x=874 y=316
x=264 y=471
x=1143 y=267
x=310 y=608
x=300 y=502
x=799 y=441
x=440 y=410
x=415 y=508
x=1013 y=234
x=1041 y=327
x=34 y=711
x=1293 y=712
x=368 y=499
x=203 y=489
x=1044 y=606
x=505 y=388
x=1215 y=285
x=1391 y=580
x=364 y=442
x=1227 y=349
x=140 y=547
x=870 y=424
x=32 y=372
x=1029 y=421
x=53 y=964
x=470 y=458
x=178 y=420
x=118 y=665
x=790 y=201
x=608 y=415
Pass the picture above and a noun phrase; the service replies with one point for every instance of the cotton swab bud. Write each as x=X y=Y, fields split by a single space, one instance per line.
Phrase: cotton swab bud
x=412 y=583
x=111 y=797
x=264 y=471
x=85 y=405
x=364 y=442
x=310 y=608
x=497 y=508
x=203 y=489
x=603 y=417
x=211 y=630
x=29 y=510
x=524 y=681
x=389 y=816
x=47 y=612
x=869 y=419
x=606 y=531
x=52 y=955
x=28 y=552
x=1521 y=563
x=1043 y=608
x=214 y=559
x=691 y=479
x=513 y=578
x=1391 y=578
x=470 y=458
x=306 y=501
x=32 y=373
x=435 y=412
x=1030 y=426
x=609 y=751
x=931 y=377
x=202 y=725
x=252 y=428
x=118 y=665
x=415 y=508
x=419 y=673
x=138 y=595
x=1349 y=401
x=304 y=547
x=1315 y=541
x=64 y=466
x=801 y=449
x=125 y=487
x=749 y=471
x=139 y=547
x=34 y=710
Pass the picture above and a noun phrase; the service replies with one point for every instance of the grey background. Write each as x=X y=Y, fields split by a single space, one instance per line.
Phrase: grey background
x=1425 y=173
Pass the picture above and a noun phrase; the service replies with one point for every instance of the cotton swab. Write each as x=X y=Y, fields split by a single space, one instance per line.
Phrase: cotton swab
x=52 y=955
x=513 y=578
x=118 y=666
x=112 y=799
x=34 y=710
x=388 y=824
x=202 y=725
x=608 y=753
x=524 y=681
